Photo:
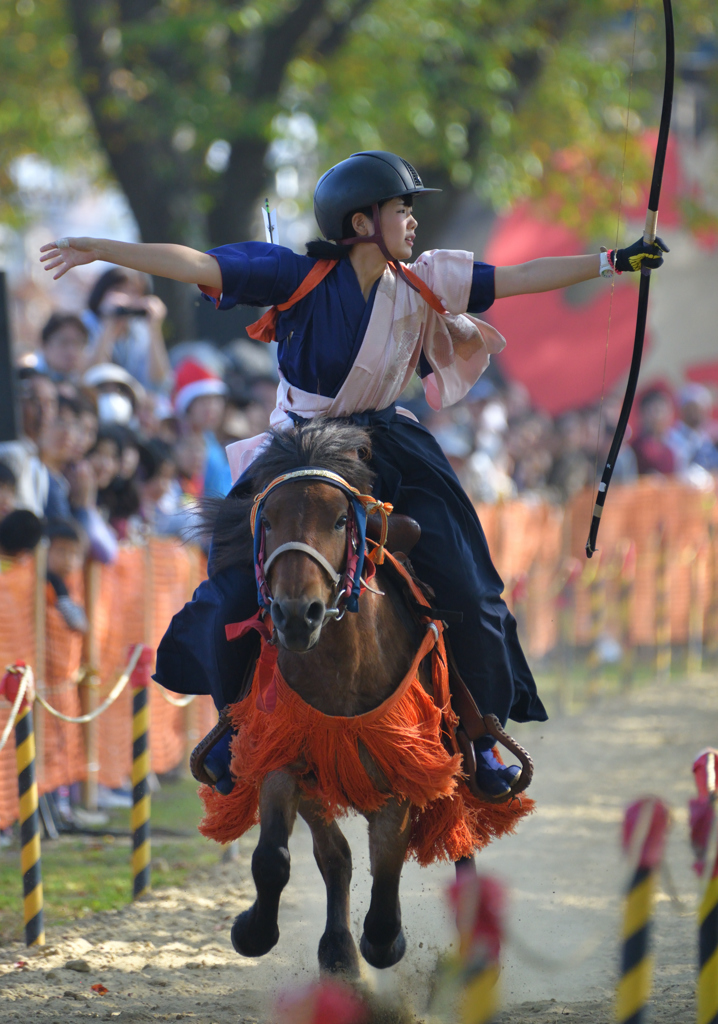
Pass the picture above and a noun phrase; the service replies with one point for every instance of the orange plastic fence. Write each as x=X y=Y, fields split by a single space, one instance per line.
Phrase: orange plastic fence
x=61 y=747
x=538 y=549
x=17 y=642
x=137 y=598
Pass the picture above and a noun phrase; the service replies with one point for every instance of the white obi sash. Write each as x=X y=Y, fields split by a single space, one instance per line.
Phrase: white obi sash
x=457 y=346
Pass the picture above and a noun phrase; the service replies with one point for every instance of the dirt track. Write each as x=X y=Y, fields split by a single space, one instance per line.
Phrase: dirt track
x=169 y=958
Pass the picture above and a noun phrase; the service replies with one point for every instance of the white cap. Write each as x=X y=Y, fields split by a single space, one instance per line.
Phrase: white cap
x=111 y=373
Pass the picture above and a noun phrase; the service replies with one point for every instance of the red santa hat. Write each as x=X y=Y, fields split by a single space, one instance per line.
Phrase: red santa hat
x=193 y=380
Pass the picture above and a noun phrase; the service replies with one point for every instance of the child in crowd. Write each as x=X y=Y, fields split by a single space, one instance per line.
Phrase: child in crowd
x=162 y=506
x=73 y=492
x=119 y=499
x=200 y=401
x=65 y=555
x=189 y=453
x=64 y=344
x=20 y=533
x=105 y=457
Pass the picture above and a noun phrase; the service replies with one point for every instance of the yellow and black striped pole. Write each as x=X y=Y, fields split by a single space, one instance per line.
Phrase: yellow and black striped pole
x=140 y=819
x=29 y=828
x=644 y=835
x=704 y=835
x=13 y=680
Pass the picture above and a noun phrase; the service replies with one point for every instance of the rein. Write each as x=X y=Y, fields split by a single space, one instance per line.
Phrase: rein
x=347 y=585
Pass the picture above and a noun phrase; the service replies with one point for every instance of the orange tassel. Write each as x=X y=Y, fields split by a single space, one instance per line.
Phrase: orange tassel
x=403 y=736
x=376 y=555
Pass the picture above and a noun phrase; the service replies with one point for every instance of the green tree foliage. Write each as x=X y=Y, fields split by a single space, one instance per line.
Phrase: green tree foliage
x=41 y=110
x=544 y=99
x=512 y=98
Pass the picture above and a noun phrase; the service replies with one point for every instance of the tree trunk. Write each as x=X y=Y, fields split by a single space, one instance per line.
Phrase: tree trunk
x=246 y=178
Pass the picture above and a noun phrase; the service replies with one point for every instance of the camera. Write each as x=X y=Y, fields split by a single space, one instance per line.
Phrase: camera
x=127 y=311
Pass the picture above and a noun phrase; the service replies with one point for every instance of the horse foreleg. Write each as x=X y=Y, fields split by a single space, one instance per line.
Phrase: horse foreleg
x=465 y=864
x=256 y=930
x=337 y=951
x=383 y=943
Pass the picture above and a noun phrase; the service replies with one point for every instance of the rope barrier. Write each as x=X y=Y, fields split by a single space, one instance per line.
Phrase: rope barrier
x=177 y=702
x=110 y=699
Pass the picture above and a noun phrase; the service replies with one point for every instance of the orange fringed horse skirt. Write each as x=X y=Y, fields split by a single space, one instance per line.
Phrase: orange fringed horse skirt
x=405 y=736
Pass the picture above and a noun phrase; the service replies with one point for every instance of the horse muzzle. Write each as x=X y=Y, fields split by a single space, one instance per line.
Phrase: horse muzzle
x=299 y=622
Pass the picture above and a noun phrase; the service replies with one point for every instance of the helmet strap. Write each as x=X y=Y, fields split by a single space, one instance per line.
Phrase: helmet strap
x=378 y=239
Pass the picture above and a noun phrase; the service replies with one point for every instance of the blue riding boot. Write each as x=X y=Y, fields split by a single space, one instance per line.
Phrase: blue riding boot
x=493 y=777
x=217 y=763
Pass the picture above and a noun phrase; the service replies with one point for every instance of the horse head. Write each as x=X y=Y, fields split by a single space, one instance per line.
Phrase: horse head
x=296 y=519
x=305 y=555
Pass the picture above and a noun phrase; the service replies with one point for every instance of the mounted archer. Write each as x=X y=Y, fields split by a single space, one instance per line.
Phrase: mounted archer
x=353 y=324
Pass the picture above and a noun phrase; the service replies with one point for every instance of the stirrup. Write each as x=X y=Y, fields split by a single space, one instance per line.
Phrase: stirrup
x=198 y=755
x=492 y=727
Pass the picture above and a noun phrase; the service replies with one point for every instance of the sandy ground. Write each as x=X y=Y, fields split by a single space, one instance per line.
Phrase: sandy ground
x=169 y=958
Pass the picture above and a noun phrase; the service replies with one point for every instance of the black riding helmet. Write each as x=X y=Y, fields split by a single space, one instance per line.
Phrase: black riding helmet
x=362 y=180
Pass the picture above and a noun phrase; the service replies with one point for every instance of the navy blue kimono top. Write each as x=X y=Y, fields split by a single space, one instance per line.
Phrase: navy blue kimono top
x=319 y=337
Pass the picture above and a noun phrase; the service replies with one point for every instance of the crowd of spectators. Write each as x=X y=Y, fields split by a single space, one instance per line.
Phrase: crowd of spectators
x=119 y=438
x=116 y=439
x=501 y=448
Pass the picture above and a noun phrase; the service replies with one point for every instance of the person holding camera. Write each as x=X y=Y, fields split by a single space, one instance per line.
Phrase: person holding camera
x=125 y=324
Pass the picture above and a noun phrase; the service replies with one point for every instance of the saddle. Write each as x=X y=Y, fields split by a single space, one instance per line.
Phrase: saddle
x=404 y=533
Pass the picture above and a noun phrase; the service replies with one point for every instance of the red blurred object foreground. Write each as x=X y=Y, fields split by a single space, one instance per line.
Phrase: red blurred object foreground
x=654 y=818
x=479 y=903
x=323 y=1002
x=10 y=683
x=702 y=811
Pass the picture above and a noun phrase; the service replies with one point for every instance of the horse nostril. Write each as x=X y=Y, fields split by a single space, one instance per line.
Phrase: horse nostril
x=278 y=615
x=314 y=614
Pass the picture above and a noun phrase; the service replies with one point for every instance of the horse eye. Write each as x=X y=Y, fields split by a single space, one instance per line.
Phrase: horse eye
x=340 y=523
x=266 y=524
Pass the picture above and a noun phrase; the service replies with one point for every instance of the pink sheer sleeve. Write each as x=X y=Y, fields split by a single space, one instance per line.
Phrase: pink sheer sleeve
x=457 y=346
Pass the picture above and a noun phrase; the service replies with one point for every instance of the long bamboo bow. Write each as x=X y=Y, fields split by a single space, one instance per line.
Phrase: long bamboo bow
x=649 y=235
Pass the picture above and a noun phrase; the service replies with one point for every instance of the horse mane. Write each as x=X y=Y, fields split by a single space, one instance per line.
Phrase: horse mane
x=327 y=444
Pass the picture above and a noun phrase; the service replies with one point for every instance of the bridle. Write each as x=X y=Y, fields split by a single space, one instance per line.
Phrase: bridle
x=347 y=585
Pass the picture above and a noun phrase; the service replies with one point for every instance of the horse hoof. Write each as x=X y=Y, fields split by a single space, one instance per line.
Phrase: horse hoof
x=338 y=954
x=251 y=939
x=383 y=956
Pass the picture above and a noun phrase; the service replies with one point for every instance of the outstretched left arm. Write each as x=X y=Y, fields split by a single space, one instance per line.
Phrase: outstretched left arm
x=550 y=272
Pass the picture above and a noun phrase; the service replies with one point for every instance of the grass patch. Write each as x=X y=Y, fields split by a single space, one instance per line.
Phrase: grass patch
x=86 y=874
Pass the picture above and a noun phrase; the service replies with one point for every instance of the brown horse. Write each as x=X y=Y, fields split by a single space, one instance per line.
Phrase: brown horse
x=342 y=665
